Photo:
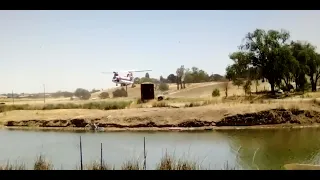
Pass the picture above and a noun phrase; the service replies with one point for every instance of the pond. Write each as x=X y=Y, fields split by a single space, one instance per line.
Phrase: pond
x=242 y=149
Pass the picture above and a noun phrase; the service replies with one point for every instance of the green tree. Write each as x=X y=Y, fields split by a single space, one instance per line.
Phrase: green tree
x=231 y=73
x=104 y=95
x=82 y=94
x=268 y=51
x=247 y=88
x=147 y=76
x=238 y=82
x=180 y=77
x=196 y=75
x=62 y=94
x=299 y=66
x=162 y=80
x=188 y=77
x=137 y=80
x=172 y=78
x=307 y=62
x=216 y=77
x=240 y=71
x=144 y=80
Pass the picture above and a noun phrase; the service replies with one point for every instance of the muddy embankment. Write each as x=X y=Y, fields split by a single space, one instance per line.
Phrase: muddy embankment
x=269 y=117
x=81 y=123
x=272 y=117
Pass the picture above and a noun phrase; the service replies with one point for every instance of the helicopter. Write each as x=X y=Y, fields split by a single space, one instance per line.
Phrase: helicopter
x=124 y=80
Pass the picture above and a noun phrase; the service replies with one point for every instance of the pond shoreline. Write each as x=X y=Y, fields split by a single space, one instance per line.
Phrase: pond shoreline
x=176 y=129
x=163 y=120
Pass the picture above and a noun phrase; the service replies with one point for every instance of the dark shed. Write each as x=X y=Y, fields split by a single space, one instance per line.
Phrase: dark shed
x=147 y=91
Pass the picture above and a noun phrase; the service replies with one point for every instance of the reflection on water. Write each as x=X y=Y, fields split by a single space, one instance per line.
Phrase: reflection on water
x=271 y=149
x=247 y=149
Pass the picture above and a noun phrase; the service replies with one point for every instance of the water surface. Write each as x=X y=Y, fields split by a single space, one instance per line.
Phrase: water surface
x=243 y=149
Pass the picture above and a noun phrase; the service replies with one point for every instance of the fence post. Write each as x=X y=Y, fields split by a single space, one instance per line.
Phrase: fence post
x=81 y=165
x=144 y=154
x=101 y=161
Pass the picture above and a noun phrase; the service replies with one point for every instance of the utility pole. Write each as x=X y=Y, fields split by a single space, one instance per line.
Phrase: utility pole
x=12 y=97
x=44 y=93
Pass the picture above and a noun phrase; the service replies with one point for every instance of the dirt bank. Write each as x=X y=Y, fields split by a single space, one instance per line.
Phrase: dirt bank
x=270 y=117
x=81 y=123
x=202 y=118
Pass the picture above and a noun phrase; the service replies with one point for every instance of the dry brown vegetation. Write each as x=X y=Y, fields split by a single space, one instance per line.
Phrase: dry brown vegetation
x=174 y=111
x=167 y=162
x=301 y=167
x=41 y=163
x=163 y=117
x=135 y=92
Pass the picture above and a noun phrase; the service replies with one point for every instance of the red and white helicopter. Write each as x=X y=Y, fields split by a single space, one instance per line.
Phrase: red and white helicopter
x=124 y=80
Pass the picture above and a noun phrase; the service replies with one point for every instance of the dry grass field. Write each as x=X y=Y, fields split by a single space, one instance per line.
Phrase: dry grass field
x=195 y=103
x=213 y=112
x=133 y=94
x=194 y=93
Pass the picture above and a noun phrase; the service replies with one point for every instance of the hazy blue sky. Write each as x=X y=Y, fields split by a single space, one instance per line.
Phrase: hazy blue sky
x=69 y=49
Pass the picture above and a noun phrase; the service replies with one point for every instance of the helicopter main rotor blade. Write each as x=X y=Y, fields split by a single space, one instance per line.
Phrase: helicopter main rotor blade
x=107 y=72
x=140 y=70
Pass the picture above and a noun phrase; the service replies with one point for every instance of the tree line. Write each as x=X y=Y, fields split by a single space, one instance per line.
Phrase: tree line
x=193 y=75
x=271 y=56
x=181 y=77
x=67 y=94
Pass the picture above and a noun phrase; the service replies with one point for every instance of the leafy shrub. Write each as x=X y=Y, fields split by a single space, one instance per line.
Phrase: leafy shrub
x=120 y=93
x=238 y=82
x=163 y=87
x=82 y=94
x=104 y=95
x=215 y=93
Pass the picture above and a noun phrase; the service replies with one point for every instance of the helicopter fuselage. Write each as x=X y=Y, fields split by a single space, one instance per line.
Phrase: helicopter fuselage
x=122 y=80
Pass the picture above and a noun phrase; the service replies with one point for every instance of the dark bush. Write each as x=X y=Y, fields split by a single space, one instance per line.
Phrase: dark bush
x=104 y=95
x=120 y=93
x=82 y=94
x=215 y=93
x=163 y=87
